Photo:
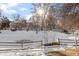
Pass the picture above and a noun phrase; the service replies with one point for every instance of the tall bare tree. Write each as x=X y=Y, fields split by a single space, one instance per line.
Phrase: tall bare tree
x=46 y=19
x=70 y=13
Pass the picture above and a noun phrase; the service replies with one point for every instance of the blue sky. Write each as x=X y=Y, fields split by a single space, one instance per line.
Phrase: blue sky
x=24 y=9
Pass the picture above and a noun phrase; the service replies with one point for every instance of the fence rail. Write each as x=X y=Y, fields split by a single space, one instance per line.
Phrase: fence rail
x=22 y=45
x=21 y=42
x=74 y=42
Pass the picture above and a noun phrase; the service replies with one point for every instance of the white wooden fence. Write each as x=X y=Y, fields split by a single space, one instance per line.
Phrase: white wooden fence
x=22 y=48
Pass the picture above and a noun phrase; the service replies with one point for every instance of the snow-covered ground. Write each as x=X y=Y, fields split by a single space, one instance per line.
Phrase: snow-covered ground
x=9 y=36
x=30 y=35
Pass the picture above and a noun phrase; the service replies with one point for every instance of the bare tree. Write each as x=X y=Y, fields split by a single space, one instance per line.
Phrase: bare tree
x=47 y=19
x=70 y=13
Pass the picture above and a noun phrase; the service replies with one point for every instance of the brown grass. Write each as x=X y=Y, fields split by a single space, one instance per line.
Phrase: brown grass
x=69 y=52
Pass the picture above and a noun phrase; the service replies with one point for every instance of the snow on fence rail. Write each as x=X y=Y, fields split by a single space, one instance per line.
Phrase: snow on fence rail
x=69 y=43
x=23 y=47
x=22 y=43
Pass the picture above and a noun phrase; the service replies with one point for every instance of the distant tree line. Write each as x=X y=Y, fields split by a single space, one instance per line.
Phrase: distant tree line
x=18 y=24
x=65 y=17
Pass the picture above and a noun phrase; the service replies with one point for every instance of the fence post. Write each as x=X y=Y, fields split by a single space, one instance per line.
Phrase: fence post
x=76 y=46
x=59 y=42
x=41 y=44
x=22 y=44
